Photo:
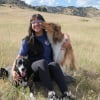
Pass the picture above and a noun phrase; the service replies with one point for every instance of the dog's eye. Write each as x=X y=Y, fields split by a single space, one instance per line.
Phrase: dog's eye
x=19 y=62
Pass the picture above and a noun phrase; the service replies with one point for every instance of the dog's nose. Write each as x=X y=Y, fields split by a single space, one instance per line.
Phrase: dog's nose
x=23 y=69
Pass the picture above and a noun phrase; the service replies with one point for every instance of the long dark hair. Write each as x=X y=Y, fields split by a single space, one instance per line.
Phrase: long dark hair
x=34 y=45
x=31 y=33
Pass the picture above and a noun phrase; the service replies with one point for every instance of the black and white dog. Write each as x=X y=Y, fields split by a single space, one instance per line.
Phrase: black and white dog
x=22 y=67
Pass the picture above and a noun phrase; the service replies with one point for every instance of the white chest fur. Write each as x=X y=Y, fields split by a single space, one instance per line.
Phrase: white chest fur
x=57 y=49
x=58 y=52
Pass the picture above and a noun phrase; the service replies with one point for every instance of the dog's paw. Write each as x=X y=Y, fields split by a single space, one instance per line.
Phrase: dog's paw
x=32 y=97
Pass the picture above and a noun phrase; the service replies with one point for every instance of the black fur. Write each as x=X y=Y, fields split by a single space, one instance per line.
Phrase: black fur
x=3 y=73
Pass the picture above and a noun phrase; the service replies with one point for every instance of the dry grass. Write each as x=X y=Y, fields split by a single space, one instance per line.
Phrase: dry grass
x=84 y=33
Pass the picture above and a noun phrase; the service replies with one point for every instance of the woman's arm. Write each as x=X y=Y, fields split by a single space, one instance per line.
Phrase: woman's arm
x=22 y=53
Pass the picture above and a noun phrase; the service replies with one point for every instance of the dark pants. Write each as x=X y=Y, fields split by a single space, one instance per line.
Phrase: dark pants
x=46 y=72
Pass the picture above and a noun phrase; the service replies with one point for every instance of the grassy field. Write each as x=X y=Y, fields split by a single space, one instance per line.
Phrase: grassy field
x=85 y=38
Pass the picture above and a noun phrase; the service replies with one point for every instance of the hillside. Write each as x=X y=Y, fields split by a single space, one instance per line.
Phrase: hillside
x=19 y=3
x=75 y=11
x=71 y=10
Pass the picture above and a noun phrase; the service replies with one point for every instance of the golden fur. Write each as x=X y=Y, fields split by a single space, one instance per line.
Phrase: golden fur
x=54 y=31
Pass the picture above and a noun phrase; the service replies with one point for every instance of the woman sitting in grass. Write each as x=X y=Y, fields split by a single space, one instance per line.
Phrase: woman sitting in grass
x=38 y=50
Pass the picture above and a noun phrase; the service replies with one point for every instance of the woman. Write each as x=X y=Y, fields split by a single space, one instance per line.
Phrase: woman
x=38 y=50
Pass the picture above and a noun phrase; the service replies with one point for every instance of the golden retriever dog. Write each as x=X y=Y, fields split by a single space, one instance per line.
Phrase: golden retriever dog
x=64 y=57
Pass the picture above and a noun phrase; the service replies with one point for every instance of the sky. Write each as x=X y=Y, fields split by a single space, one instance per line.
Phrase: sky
x=65 y=3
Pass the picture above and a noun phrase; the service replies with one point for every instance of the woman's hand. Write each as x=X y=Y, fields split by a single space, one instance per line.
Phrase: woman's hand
x=15 y=75
x=67 y=41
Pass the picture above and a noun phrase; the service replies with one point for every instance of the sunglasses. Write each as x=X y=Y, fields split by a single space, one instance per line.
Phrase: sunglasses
x=36 y=21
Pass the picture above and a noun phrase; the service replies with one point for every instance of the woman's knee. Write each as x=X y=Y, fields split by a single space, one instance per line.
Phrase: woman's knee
x=40 y=61
x=54 y=65
x=40 y=64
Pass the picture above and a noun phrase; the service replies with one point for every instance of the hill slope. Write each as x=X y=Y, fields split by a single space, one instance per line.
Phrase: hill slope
x=14 y=2
x=76 y=11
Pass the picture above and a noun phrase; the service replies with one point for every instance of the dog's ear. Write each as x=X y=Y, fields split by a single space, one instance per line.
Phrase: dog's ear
x=57 y=28
x=56 y=33
x=26 y=60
